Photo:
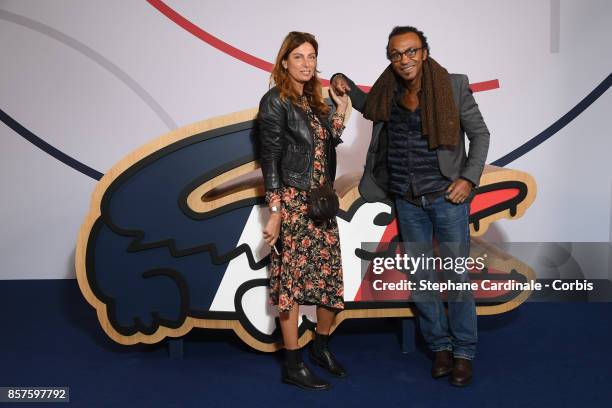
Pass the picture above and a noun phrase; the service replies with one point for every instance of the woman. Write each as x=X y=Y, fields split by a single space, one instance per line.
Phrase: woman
x=298 y=154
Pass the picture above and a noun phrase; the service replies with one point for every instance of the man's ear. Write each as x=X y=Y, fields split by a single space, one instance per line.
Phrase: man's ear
x=425 y=54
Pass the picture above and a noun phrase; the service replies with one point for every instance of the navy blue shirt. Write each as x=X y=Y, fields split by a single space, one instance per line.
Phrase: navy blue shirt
x=413 y=167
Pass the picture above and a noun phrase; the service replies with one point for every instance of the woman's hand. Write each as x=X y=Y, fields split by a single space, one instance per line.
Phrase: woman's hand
x=341 y=101
x=272 y=229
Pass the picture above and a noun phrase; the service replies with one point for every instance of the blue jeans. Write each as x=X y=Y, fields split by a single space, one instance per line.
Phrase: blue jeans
x=449 y=223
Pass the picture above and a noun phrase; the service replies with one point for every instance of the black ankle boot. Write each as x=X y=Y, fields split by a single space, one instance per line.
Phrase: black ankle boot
x=320 y=354
x=295 y=372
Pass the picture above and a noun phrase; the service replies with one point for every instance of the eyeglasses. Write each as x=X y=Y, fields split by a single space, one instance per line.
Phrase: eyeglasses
x=410 y=53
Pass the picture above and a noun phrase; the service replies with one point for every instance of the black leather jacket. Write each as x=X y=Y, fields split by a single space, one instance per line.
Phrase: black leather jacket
x=287 y=143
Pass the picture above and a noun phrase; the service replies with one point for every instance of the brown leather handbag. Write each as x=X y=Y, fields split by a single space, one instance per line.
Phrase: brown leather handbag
x=323 y=204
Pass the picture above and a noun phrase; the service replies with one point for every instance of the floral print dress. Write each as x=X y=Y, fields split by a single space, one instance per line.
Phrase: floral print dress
x=308 y=270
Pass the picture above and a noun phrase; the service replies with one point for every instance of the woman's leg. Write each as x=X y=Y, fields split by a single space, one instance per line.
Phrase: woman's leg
x=294 y=371
x=289 y=327
x=325 y=319
x=319 y=351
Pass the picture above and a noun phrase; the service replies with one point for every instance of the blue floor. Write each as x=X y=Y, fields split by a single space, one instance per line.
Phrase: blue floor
x=541 y=355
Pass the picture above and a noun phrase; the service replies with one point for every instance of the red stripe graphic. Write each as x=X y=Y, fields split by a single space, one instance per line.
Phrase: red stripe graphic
x=253 y=60
x=209 y=38
x=484 y=86
x=489 y=199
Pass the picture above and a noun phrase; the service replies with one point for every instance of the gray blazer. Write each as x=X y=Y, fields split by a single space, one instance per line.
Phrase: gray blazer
x=454 y=163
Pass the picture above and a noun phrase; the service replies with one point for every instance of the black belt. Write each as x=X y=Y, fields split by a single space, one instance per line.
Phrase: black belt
x=417 y=200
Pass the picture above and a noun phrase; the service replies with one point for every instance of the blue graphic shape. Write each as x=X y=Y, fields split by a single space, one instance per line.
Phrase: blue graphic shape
x=151 y=259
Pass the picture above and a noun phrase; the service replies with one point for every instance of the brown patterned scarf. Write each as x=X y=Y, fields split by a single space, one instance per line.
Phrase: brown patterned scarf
x=439 y=116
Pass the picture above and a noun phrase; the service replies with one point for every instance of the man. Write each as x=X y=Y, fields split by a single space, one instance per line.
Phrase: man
x=417 y=157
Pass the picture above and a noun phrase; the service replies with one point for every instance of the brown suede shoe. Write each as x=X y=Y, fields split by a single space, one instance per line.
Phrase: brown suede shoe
x=462 y=372
x=442 y=363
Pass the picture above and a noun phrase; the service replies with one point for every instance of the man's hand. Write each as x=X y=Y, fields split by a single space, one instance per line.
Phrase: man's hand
x=459 y=191
x=340 y=85
x=340 y=101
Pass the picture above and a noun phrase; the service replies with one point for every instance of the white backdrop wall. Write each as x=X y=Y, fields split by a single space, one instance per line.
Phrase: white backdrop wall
x=97 y=79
